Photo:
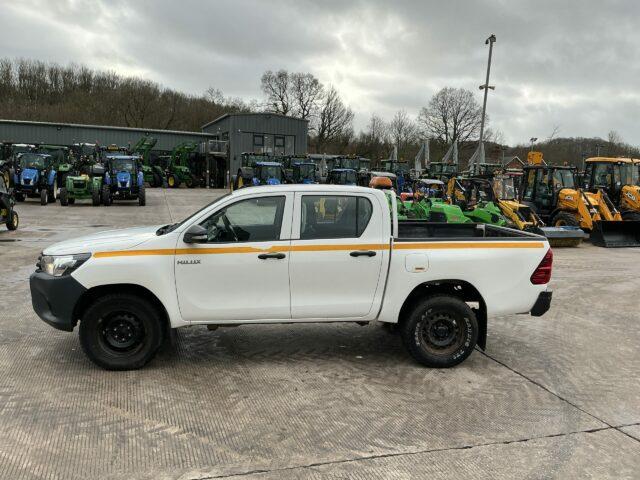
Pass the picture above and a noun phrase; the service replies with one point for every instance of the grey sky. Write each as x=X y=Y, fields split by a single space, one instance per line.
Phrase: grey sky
x=575 y=64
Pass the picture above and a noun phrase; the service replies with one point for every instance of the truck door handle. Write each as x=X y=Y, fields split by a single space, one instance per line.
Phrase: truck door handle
x=266 y=256
x=363 y=253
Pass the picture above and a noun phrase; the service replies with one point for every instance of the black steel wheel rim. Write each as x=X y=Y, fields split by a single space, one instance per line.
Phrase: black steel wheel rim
x=121 y=332
x=440 y=333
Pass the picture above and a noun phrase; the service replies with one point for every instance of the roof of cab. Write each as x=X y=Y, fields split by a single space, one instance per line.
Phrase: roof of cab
x=609 y=160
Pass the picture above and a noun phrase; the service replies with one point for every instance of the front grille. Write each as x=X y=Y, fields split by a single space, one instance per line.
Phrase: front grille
x=78 y=184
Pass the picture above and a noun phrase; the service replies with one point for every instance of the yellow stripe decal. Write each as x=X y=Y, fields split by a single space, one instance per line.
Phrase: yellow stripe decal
x=322 y=248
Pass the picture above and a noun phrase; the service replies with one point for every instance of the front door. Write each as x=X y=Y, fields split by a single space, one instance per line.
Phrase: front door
x=337 y=255
x=242 y=272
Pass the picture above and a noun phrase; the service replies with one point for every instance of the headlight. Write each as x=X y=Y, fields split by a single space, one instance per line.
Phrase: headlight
x=59 y=265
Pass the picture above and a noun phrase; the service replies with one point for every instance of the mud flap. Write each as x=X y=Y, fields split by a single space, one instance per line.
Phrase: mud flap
x=563 y=236
x=616 y=233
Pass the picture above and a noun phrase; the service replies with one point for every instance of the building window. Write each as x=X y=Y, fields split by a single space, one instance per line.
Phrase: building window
x=279 y=145
x=258 y=143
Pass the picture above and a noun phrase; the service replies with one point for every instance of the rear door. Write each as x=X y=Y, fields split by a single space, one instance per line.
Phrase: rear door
x=242 y=272
x=337 y=255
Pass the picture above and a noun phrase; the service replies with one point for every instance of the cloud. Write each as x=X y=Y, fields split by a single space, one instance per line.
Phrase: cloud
x=575 y=64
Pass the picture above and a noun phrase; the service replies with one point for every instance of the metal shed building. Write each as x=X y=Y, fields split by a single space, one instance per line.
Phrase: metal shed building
x=18 y=131
x=259 y=133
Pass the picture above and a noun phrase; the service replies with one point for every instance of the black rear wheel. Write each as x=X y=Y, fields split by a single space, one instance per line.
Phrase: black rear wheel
x=43 y=196
x=106 y=196
x=121 y=332
x=565 y=219
x=95 y=197
x=441 y=331
x=13 y=221
x=142 y=197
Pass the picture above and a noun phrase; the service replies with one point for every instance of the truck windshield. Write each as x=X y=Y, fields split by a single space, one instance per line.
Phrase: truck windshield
x=123 y=165
x=269 y=171
x=172 y=226
x=563 y=179
x=30 y=160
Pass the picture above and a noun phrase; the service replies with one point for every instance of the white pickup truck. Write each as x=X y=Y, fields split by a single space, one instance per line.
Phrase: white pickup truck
x=291 y=254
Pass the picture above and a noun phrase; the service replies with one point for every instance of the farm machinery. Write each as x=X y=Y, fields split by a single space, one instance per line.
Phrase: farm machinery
x=36 y=176
x=154 y=175
x=84 y=182
x=176 y=166
x=8 y=215
x=123 y=180
x=258 y=172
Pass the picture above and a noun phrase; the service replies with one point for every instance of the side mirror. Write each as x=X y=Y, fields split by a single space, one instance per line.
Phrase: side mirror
x=195 y=234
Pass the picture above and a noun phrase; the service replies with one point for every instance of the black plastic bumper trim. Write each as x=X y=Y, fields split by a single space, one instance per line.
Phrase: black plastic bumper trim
x=54 y=299
x=542 y=305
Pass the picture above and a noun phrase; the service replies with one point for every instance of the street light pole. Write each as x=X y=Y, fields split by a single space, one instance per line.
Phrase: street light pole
x=490 y=41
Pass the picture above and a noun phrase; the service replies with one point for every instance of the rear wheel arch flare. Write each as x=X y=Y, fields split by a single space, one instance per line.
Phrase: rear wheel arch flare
x=456 y=288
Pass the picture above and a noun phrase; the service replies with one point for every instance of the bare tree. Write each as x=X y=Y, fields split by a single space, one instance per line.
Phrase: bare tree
x=615 y=138
x=276 y=86
x=402 y=131
x=554 y=132
x=335 y=119
x=452 y=114
x=305 y=94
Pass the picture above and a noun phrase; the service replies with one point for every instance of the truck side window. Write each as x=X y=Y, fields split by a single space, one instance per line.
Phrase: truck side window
x=334 y=216
x=251 y=220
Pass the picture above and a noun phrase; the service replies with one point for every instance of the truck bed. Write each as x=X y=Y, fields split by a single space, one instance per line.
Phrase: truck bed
x=421 y=230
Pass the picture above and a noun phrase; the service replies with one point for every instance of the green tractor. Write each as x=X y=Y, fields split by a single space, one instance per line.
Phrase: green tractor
x=429 y=202
x=62 y=158
x=154 y=175
x=176 y=165
x=84 y=183
x=476 y=198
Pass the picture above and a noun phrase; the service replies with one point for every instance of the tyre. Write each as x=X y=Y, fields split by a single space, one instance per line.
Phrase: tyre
x=157 y=181
x=565 y=219
x=142 y=197
x=19 y=197
x=43 y=196
x=106 y=196
x=64 y=197
x=172 y=181
x=631 y=216
x=441 y=331
x=95 y=197
x=14 y=221
x=52 y=193
x=72 y=201
x=191 y=182
x=120 y=332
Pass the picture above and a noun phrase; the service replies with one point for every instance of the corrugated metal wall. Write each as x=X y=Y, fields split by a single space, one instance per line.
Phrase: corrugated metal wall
x=241 y=129
x=67 y=134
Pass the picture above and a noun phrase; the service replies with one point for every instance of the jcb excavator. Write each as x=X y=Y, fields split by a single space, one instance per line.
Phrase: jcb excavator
x=619 y=178
x=552 y=193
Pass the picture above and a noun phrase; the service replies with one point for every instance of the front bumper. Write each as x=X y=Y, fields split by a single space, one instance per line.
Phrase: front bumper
x=542 y=305
x=54 y=299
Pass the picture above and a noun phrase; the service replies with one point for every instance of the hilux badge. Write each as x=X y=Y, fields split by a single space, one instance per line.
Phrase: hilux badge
x=188 y=262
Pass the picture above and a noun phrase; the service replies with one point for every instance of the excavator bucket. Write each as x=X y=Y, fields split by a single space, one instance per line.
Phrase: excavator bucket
x=563 y=236
x=616 y=233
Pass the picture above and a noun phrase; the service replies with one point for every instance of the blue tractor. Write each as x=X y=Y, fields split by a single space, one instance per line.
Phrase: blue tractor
x=35 y=176
x=123 y=180
x=260 y=173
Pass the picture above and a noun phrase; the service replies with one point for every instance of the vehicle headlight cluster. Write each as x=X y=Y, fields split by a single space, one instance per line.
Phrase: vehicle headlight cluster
x=59 y=265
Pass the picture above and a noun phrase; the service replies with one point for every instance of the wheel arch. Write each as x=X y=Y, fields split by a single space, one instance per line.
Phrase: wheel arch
x=461 y=289
x=92 y=294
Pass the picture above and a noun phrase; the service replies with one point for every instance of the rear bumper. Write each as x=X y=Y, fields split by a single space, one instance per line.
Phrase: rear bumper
x=542 y=305
x=54 y=299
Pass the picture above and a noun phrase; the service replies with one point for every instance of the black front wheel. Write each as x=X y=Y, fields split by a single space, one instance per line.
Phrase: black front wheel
x=106 y=196
x=441 y=331
x=64 y=197
x=142 y=197
x=120 y=332
x=43 y=196
x=95 y=197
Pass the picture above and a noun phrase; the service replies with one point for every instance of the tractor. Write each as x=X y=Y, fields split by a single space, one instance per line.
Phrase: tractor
x=84 y=182
x=261 y=173
x=9 y=153
x=36 y=176
x=303 y=172
x=123 y=180
x=154 y=175
x=619 y=179
x=476 y=198
x=62 y=158
x=343 y=176
x=176 y=166
x=8 y=215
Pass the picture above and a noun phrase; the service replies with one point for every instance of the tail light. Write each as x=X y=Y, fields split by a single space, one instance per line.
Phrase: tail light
x=542 y=274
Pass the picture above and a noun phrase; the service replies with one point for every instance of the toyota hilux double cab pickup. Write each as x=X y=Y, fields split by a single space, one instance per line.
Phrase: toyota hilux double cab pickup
x=291 y=254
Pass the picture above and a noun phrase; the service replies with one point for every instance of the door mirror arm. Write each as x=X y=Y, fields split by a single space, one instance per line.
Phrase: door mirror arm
x=196 y=234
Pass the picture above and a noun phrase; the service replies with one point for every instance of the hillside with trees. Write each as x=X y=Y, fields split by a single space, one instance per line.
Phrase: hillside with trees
x=39 y=91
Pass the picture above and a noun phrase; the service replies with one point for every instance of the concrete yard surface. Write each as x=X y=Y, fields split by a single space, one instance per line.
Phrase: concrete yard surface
x=552 y=397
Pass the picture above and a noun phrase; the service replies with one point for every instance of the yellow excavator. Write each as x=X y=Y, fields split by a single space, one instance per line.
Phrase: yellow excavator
x=619 y=178
x=552 y=193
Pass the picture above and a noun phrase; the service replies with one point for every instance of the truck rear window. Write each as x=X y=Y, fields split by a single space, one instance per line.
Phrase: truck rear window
x=334 y=216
